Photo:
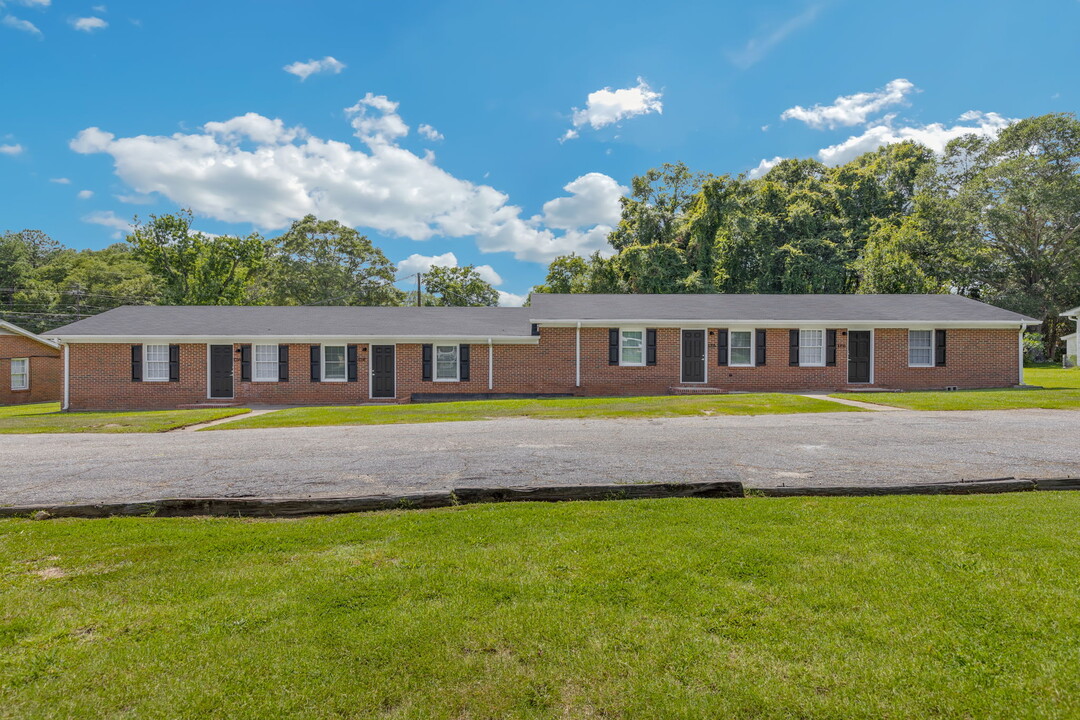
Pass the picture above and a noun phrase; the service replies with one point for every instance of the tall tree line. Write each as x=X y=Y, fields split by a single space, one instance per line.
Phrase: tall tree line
x=996 y=219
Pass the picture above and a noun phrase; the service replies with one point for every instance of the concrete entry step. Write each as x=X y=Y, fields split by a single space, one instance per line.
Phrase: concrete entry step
x=209 y=405
x=695 y=390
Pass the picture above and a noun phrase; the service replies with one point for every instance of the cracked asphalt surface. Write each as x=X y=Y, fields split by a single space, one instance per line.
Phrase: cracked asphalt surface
x=767 y=450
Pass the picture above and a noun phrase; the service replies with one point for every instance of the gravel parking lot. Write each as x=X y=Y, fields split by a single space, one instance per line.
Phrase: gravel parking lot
x=770 y=450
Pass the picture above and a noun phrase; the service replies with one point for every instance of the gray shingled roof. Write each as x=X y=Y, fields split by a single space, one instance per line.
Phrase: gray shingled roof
x=237 y=322
x=778 y=308
x=230 y=321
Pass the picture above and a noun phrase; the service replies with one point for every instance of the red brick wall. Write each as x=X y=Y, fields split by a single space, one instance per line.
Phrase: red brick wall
x=45 y=371
x=101 y=373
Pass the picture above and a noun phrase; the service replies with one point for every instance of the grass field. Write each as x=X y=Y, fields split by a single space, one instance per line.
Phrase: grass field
x=1061 y=391
x=550 y=408
x=47 y=418
x=897 y=607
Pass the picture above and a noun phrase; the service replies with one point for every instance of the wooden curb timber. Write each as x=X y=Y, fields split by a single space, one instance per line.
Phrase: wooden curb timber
x=297 y=507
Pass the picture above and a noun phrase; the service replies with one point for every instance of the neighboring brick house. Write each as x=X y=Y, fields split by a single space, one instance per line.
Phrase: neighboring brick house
x=160 y=357
x=30 y=369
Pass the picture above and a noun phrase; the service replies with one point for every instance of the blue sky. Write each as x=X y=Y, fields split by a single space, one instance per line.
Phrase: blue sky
x=535 y=115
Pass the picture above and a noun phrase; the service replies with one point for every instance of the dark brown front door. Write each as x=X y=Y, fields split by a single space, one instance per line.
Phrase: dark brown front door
x=221 y=374
x=382 y=371
x=858 y=344
x=693 y=356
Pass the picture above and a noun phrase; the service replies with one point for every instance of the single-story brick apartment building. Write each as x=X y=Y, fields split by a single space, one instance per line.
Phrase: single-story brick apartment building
x=29 y=367
x=163 y=357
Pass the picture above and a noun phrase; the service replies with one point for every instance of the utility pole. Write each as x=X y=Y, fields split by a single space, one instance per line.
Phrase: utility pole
x=419 y=277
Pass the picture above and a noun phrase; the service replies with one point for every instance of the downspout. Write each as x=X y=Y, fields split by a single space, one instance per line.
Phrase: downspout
x=67 y=377
x=1020 y=367
x=577 y=357
x=491 y=366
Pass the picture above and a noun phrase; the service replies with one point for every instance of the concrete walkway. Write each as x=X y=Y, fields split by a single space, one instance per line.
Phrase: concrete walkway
x=767 y=450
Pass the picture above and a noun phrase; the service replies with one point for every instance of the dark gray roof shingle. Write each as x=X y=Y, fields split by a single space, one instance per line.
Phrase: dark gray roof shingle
x=779 y=308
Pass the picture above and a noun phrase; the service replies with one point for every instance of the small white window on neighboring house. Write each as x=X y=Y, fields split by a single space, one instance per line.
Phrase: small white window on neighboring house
x=631 y=347
x=812 y=348
x=920 y=348
x=334 y=363
x=156 y=363
x=446 y=362
x=741 y=348
x=20 y=374
x=266 y=363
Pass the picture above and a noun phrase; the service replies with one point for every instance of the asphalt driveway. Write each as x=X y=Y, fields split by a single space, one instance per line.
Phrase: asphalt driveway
x=768 y=450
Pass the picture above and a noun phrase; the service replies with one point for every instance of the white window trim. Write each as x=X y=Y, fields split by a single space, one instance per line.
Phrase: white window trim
x=824 y=346
x=25 y=374
x=255 y=363
x=435 y=362
x=146 y=363
x=753 y=347
x=644 y=350
x=933 y=348
x=322 y=363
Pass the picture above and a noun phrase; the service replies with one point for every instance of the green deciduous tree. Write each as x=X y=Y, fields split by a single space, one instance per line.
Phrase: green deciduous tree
x=459 y=286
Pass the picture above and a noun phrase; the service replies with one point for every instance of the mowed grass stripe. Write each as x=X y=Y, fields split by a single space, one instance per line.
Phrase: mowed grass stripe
x=47 y=418
x=547 y=408
x=949 y=607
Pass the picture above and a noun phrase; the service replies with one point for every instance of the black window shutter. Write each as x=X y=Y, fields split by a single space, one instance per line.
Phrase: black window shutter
x=426 y=360
x=721 y=347
x=613 y=346
x=830 y=348
x=283 y=363
x=759 y=355
x=245 y=363
x=793 y=347
x=316 y=365
x=650 y=347
x=463 y=362
x=939 y=348
x=174 y=363
x=350 y=363
x=535 y=329
x=136 y=363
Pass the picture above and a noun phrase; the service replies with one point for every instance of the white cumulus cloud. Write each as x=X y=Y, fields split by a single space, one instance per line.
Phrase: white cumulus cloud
x=934 y=136
x=21 y=25
x=764 y=166
x=60 y=181
x=252 y=169
x=423 y=263
x=109 y=219
x=849 y=110
x=430 y=133
x=606 y=107
x=85 y=194
x=304 y=70
x=14 y=149
x=89 y=24
x=507 y=299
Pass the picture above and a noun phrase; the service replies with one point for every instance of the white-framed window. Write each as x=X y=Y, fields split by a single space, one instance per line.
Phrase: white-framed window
x=812 y=348
x=20 y=373
x=266 y=363
x=920 y=351
x=741 y=348
x=156 y=363
x=334 y=367
x=631 y=347
x=446 y=363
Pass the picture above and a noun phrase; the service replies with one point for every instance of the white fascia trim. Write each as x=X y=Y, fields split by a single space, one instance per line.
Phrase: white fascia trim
x=5 y=325
x=1074 y=313
x=300 y=340
x=809 y=324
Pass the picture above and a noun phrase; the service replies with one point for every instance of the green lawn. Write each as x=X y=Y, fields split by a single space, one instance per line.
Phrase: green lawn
x=47 y=418
x=638 y=407
x=896 y=607
x=1061 y=391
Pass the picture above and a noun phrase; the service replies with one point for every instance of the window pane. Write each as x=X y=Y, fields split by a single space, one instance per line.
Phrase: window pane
x=155 y=362
x=333 y=362
x=739 y=342
x=18 y=374
x=446 y=362
x=631 y=346
x=266 y=362
x=811 y=347
x=920 y=347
